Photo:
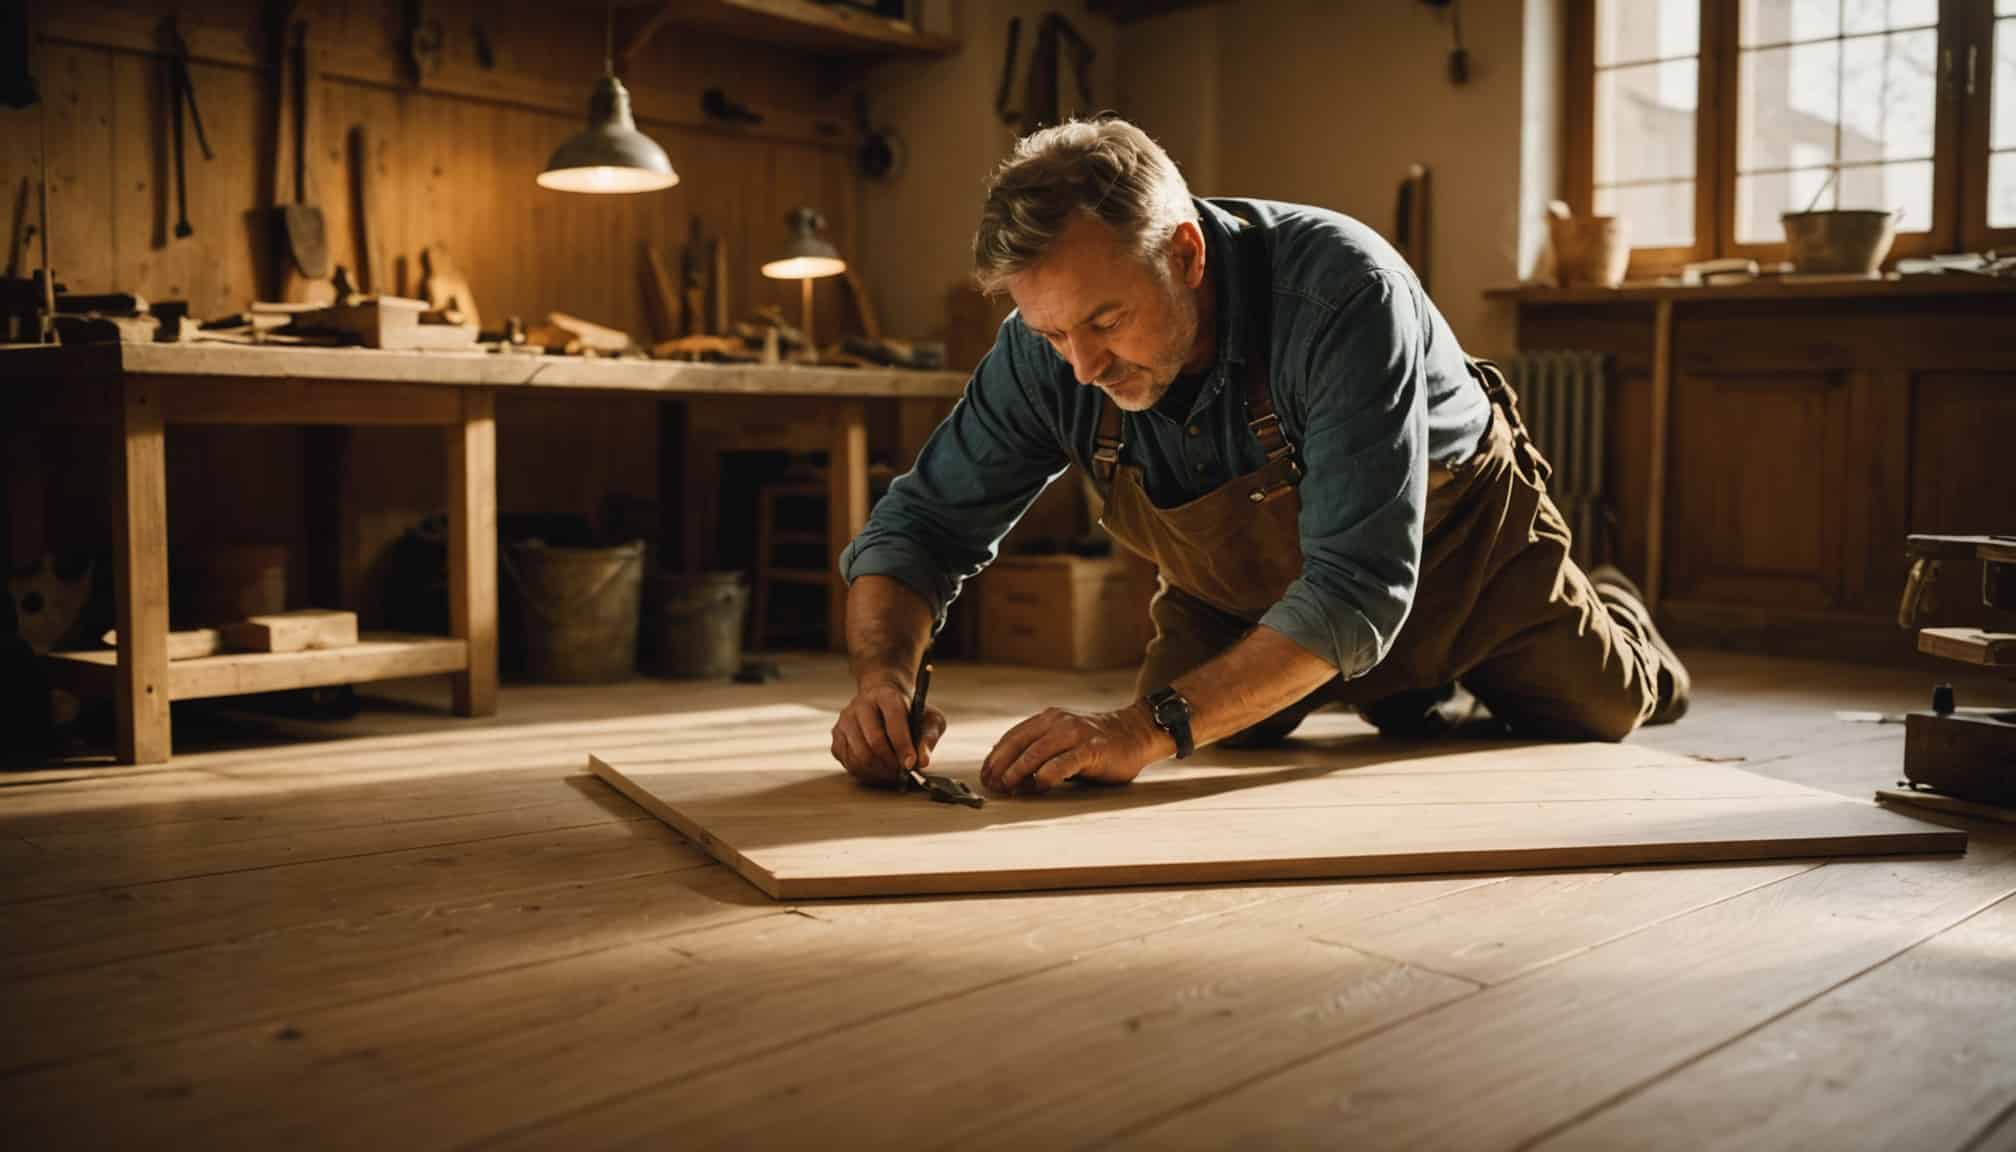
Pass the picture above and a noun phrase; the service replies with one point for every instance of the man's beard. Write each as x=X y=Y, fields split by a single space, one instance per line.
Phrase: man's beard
x=1161 y=374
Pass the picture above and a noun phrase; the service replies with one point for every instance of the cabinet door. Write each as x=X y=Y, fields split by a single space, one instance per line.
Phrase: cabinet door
x=1963 y=452
x=1755 y=515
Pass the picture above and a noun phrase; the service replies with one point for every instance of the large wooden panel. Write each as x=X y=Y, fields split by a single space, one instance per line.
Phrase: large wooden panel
x=795 y=826
x=1755 y=489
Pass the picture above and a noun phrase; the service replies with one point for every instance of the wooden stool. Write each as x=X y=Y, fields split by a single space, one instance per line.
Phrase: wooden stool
x=769 y=536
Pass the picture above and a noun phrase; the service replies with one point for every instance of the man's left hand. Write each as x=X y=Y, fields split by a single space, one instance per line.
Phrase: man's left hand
x=1056 y=745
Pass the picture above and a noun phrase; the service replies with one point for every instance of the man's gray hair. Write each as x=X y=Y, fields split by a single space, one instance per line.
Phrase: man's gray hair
x=1106 y=168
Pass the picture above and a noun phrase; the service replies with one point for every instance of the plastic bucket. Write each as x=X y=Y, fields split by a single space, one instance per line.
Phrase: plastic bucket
x=699 y=624
x=580 y=609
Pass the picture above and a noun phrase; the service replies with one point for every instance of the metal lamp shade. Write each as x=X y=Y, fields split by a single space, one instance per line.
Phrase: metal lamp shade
x=611 y=155
x=806 y=255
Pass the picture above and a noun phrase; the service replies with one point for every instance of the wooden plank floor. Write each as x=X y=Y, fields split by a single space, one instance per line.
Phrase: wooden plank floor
x=413 y=931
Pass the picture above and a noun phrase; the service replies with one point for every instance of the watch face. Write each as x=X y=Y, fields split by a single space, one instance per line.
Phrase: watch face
x=1169 y=709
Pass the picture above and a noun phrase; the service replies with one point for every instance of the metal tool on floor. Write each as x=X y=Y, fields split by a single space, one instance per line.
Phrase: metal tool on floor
x=185 y=103
x=943 y=789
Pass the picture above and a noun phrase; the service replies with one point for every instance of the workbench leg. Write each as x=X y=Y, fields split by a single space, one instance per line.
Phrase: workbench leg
x=140 y=579
x=700 y=465
x=472 y=550
x=1662 y=407
x=846 y=505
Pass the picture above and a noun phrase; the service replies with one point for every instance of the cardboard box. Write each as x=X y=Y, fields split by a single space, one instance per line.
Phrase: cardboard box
x=1065 y=611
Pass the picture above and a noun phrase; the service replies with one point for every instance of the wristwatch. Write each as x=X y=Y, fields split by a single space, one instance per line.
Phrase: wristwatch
x=1171 y=713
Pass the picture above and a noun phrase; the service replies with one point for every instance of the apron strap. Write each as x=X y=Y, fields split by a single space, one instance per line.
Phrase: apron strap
x=1261 y=419
x=1106 y=443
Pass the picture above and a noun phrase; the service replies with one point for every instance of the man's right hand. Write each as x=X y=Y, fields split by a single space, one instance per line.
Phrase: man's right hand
x=871 y=740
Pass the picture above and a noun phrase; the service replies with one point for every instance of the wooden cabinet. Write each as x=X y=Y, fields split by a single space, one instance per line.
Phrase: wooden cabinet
x=1807 y=430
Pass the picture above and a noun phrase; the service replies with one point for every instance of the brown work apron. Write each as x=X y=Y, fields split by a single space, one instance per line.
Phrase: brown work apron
x=1498 y=603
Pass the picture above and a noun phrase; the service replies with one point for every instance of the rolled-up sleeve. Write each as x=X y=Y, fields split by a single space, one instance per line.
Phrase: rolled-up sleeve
x=1364 y=490
x=941 y=522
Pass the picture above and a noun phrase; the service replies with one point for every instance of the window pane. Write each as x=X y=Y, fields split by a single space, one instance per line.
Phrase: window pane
x=2002 y=190
x=1785 y=21
x=1658 y=215
x=1888 y=91
x=2005 y=7
x=1890 y=186
x=1862 y=16
x=2002 y=121
x=1645 y=122
x=1760 y=200
x=1914 y=13
x=1787 y=99
x=1634 y=30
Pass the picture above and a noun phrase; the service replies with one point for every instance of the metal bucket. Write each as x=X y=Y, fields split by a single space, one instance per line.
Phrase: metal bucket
x=1843 y=241
x=698 y=624
x=580 y=610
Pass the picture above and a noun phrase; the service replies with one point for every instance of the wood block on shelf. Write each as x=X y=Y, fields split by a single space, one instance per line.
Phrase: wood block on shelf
x=310 y=628
x=193 y=644
x=1970 y=645
x=1064 y=612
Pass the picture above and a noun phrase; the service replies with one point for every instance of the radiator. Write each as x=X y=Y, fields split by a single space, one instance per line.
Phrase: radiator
x=1561 y=394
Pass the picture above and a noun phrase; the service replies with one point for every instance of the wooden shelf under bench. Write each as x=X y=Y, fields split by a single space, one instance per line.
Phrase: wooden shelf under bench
x=376 y=656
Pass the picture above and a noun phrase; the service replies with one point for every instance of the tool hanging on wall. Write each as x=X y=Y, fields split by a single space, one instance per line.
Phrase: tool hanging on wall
x=185 y=104
x=300 y=236
x=1041 y=105
x=362 y=227
x=1459 y=58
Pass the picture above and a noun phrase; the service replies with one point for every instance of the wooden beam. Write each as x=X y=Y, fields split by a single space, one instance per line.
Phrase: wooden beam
x=472 y=551
x=210 y=400
x=140 y=579
x=846 y=506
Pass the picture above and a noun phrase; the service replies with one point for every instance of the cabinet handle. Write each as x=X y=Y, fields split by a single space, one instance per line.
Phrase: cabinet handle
x=1970 y=69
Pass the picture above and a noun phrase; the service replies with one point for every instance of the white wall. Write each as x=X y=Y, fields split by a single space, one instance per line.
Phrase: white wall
x=1322 y=101
x=1328 y=102
x=916 y=230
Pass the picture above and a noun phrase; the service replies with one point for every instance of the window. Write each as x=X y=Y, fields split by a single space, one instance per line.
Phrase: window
x=2001 y=197
x=1703 y=121
x=1648 y=81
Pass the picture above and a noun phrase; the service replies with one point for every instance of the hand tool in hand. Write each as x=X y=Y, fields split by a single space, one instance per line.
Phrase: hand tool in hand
x=943 y=789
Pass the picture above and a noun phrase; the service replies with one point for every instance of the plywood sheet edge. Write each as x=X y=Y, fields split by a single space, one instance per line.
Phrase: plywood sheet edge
x=746 y=868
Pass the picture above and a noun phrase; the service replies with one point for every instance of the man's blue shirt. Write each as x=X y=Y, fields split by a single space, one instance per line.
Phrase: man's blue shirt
x=1367 y=377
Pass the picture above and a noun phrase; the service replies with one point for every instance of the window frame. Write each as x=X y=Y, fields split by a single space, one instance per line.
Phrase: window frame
x=1977 y=22
x=1960 y=158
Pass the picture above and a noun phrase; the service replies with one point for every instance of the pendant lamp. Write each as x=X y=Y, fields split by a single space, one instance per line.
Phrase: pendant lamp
x=611 y=155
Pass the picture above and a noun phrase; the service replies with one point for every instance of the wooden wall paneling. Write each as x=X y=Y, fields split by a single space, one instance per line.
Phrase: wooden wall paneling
x=77 y=87
x=1876 y=491
x=1960 y=458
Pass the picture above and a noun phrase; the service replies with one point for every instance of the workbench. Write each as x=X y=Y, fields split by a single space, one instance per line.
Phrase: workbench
x=141 y=389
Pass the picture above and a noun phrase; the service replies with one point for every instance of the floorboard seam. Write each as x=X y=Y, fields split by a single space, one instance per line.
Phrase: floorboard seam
x=691 y=866
x=1626 y=1094
x=1410 y=1018
x=873 y=1018
x=15 y=903
x=385 y=994
x=1979 y=1141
